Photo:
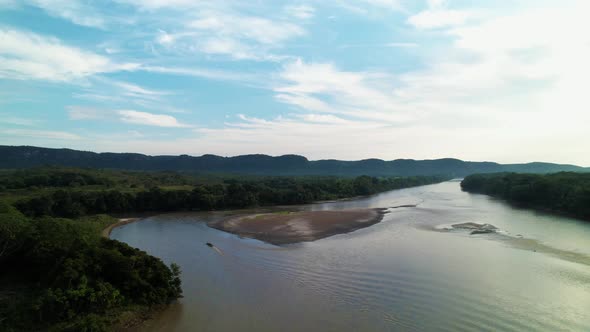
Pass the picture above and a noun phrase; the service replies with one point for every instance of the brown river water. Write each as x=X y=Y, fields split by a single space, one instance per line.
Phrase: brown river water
x=403 y=274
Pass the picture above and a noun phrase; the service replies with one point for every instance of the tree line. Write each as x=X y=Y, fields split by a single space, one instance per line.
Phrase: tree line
x=227 y=195
x=67 y=177
x=565 y=192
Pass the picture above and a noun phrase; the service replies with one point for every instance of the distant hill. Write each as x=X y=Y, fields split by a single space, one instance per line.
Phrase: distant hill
x=29 y=156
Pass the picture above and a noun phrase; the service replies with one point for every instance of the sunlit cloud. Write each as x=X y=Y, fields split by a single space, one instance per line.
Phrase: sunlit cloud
x=226 y=33
x=149 y=119
x=76 y=11
x=440 y=18
x=26 y=55
x=303 y=12
x=127 y=116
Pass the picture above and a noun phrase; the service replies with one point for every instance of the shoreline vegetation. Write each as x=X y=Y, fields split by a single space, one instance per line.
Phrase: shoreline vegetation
x=61 y=272
x=106 y=233
x=292 y=227
x=72 y=193
x=563 y=193
x=63 y=275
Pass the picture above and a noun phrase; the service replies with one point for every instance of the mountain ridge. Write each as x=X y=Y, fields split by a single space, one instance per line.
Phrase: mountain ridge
x=260 y=164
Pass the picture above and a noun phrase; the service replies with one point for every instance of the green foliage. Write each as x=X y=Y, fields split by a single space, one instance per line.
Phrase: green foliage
x=77 y=278
x=175 y=282
x=565 y=192
x=76 y=178
x=233 y=193
x=13 y=227
x=52 y=177
x=85 y=323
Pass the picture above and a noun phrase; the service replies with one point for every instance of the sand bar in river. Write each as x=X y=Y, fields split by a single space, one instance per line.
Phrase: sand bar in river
x=293 y=227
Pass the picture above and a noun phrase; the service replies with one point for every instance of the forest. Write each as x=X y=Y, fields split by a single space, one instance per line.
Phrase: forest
x=564 y=192
x=59 y=274
x=72 y=193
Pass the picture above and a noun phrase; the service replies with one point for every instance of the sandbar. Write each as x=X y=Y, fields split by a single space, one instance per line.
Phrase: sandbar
x=300 y=226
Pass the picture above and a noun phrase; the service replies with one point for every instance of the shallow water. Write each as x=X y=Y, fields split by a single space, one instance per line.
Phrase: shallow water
x=402 y=274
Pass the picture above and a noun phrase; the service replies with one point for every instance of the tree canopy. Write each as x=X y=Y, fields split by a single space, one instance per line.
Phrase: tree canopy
x=73 y=202
x=565 y=192
x=74 y=280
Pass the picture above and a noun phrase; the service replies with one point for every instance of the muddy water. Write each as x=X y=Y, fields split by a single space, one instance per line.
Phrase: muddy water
x=403 y=274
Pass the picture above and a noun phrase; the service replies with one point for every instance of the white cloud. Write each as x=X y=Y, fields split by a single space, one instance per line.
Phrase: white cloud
x=208 y=73
x=509 y=56
x=258 y=29
x=232 y=47
x=526 y=74
x=165 y=38
x=149 y=119
x=323 y=118
x=127 y=116
x=160 y=106
x=158 y=4
x=372 y=45
x=317 y=136
x=223 y=32
x=44 y=134
x=504 y=81
x=99 y=97
x=323 y=138
x=313 y=135
x=321 y=87
x=113 y=93
x=136 y=91
x=436 y=3
x=369 y=7
x=440 y=18
x=25 y=55
x=76 y=11
x=402 y=44
x=240 y=35
x=303 y=12
x=491 y=81
x=392 y=4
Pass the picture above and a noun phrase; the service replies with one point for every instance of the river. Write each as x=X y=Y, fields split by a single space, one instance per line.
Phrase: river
x=402 y=274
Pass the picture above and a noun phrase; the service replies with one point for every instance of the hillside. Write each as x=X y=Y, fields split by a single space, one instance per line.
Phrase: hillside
x=28 y=156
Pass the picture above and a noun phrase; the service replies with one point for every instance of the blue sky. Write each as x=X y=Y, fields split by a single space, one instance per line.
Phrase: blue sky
x=476 y=80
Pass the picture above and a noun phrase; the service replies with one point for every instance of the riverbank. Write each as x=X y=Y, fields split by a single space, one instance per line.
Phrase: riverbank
x=132 y=318
x=293 y=227
x=537 y=191
x=122 y=221
x=366 y=279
